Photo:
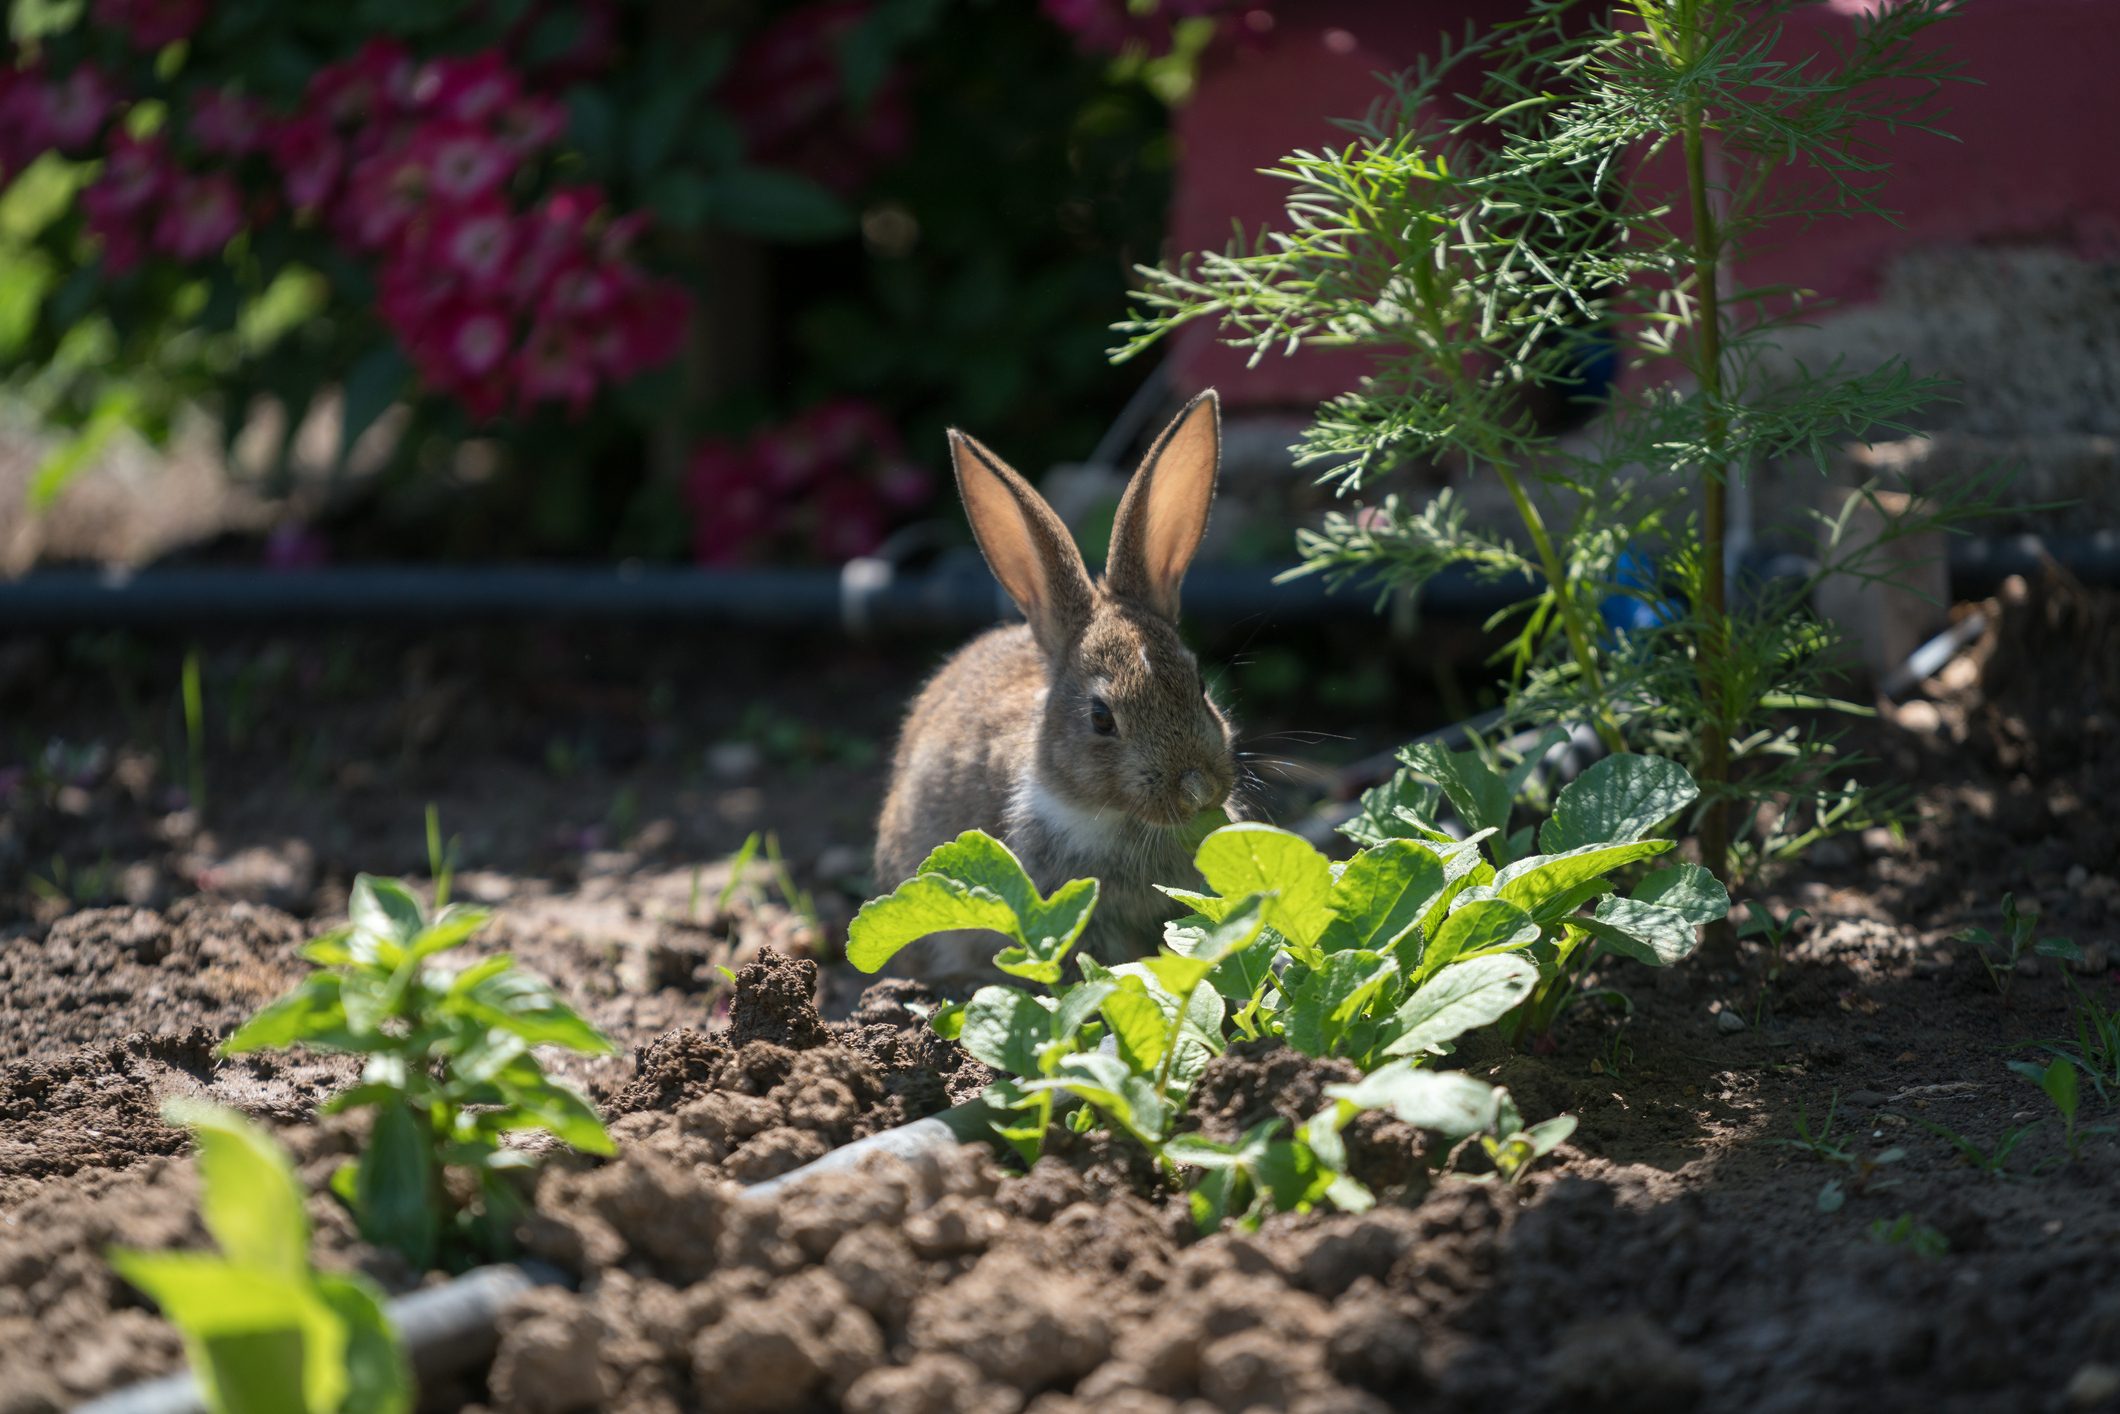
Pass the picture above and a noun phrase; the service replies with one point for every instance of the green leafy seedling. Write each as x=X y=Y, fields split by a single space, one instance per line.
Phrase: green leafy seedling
x=2058 y=1080
x=2000 y=956
x=265 y=1332
x=2094 y=1046
x=1909 y=1232
x=1991 y=1160
x=1820 y=1144
x=448 y=1070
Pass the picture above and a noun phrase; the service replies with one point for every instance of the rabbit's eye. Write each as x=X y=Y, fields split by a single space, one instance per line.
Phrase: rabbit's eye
x=1100 y=717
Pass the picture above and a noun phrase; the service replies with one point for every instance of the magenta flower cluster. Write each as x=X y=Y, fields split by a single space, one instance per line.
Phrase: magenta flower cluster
x=412 y=166
x=829 y=481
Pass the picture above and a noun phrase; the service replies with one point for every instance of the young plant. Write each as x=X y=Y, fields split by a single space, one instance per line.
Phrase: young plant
x=448 y=1072
x=2058 y=1081
x=1909 y=1232
x=2000 y=956
x=1990 y=1160
x=1863 y=1169
x=264 y=1330
x=1469 y=235
x=2095 y=1047
x=1760 y=922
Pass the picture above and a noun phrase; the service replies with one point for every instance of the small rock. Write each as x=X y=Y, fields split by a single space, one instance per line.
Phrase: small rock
x=1919 y=716
x=2027 y=967
x=2092 y=1385
x=734 y=760
x=2078 y=876
x=1729 y=1023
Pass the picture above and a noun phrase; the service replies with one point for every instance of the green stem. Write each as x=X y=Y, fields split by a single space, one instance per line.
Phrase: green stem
x=1571 y=623
x=1712 y=655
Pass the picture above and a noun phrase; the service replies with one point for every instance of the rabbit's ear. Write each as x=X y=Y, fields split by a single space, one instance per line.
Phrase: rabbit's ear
x=1164 y=512
x=1029 y=549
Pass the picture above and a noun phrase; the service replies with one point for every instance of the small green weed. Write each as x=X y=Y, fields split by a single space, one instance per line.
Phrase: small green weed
x=1992 y=1160
x=1863 y=1170
x=448 y=1072
x=2095 y=1046
x=2058 y=1081
x=264 y=1330
x=1909 y=1232
x=2000 y=956
x=797 y=899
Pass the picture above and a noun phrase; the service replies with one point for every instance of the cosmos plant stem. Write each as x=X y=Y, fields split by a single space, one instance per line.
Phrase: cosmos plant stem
x=1571 y=622
x=1712 y=651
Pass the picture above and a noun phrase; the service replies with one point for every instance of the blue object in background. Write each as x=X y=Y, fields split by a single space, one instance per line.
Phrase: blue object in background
x=1626 y=613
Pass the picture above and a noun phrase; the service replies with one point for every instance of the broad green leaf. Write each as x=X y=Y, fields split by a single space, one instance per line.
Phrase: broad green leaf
x=329 y=949
x=248 y=1194
x=1446 y=1101
x=258 y=1341
x=1648 y=932
x=385 y=908
x=1050 y=933
x=1401 y=808
x=1322 y=1005
x=522 y=1002
x=1290 y=1172
x=1004 y=1027
x=1687 y=888
x=456 y=923
x=1540 y=883
x=1111 y=1085
x=560 y=1112
x=978 y=859
x=1077 y=1005
x=394 y=1188
x=1197 y=1151
x=1208 y=906
x=1548 y=1135
x=370 y=999
x=1480 y=793
x=1483 y=925
x=378 y=1378
x=1138 y=1024
x=924 y=904
x=1381 y=894
x=1182 y=969
x=312 y=1014
x=1457 y=999
x=1618 y=800
x=1251 y=858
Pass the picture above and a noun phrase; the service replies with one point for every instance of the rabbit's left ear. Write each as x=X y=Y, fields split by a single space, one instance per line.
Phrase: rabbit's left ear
x=1163 y=515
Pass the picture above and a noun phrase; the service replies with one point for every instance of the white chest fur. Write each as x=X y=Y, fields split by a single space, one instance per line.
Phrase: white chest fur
x=1075 y=833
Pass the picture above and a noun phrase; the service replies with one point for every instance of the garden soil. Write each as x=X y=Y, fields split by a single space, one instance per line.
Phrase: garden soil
x=1678 y=1254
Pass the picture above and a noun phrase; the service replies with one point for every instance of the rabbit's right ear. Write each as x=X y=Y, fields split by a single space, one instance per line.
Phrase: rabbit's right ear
x=1030 y=551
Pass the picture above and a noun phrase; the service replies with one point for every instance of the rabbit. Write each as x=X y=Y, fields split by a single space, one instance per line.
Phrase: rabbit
x=1084 y=738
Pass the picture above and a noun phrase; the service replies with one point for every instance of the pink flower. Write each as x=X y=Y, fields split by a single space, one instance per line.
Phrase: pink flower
x=472 y=89
x=383 y=194
x=136 y=172
x=530 y=124
x=226 y=124
x=474 y=340
x=556 y=365
x=788 y=99
x=648 y=330
x=151 y=24
x=202 y=213
x=850 y=521
x=463 y=163
x=66 y=114
x=475 y=243
x=311 y=158
x=729 y=512
x=375 y=83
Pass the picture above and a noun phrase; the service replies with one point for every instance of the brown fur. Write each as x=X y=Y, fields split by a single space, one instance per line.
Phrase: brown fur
x=1001 y=740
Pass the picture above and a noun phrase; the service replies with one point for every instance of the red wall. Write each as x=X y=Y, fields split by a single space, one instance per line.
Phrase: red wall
x=2037 y=160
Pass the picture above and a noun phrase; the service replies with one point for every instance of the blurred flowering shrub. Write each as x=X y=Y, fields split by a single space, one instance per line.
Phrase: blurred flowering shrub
x=1152 y=26
x=523 y=221
x=829 y=482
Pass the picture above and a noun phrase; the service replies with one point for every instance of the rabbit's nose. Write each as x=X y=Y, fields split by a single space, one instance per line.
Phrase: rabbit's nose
x=1197 y=790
